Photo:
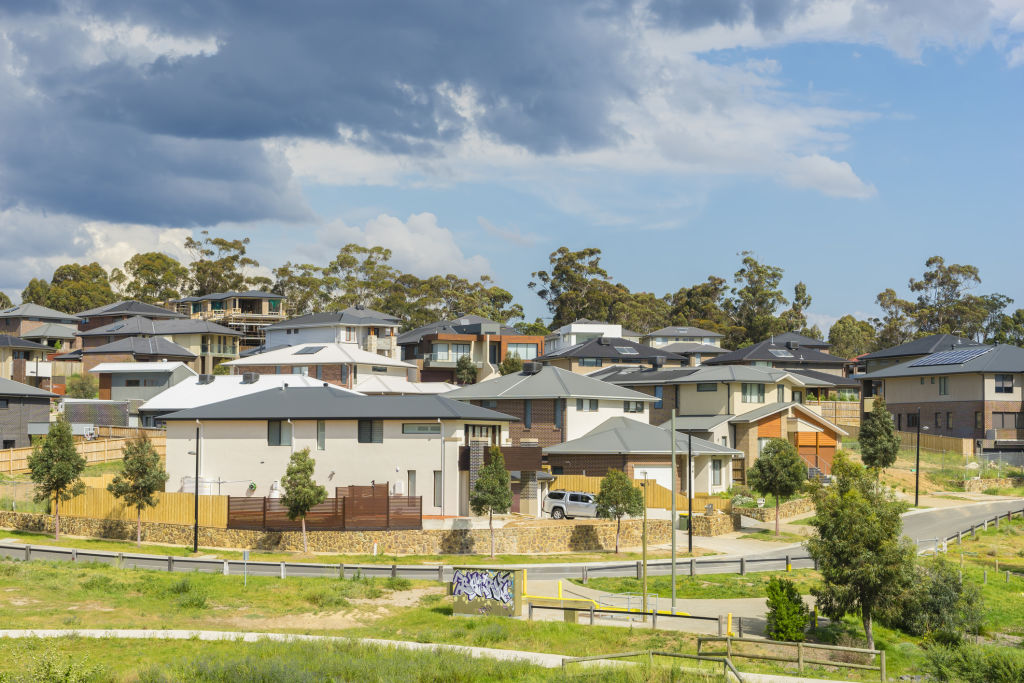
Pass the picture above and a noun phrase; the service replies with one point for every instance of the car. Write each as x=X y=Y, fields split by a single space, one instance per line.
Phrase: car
x=569 y=504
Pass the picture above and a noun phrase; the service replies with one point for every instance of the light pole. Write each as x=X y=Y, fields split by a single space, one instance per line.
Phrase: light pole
x=195 y=531
x=689 y=491
x=644 y=548
x=917 y=464
x=675 y=517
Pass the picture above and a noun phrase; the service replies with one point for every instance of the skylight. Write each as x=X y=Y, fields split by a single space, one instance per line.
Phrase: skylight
x=306 y=350
x=780 y=353
x=627 y=350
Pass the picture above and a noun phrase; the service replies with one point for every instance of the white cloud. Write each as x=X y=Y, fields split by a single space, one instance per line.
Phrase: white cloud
x=418 y=245
x=513 y=235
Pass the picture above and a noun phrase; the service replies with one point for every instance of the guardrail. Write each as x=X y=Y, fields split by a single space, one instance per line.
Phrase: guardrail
x=593 y=611
x=799 y=659
x=727 y=665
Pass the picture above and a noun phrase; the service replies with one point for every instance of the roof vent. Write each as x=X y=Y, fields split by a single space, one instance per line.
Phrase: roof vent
x=603 y=341
x=657 y=362
x=531 y=368
x=205 y=379
x=325 y=385
x=250 y=377
x=791 y=345
x=284 y=386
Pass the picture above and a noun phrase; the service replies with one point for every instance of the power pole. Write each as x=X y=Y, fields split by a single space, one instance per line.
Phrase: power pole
x=675 y=516
x=689 y=491
x=644 y=544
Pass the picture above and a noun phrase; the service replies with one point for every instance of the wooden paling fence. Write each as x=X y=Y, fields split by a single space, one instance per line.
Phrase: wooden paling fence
x=939 y=444
x=657 y=495
x=15 y=460
x=171 y=508
x=354 y=508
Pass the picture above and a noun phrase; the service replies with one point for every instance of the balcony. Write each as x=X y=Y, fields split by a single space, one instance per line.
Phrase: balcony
x=219 y=350
x=42 y=368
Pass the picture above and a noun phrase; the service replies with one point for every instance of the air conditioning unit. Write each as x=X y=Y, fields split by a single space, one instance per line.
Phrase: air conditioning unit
x=531 y=368
x=658 y=362
x=250 y=377
x=791 y=345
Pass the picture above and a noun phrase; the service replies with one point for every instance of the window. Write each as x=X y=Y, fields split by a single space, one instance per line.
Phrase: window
x=707 y=386
x=781 y=388
x=131 y=382
x=412 y=483
x=938 y=419
x=716 y=472
x=378 y=368
x=1004 y=420
x=590 y=362
x=922 y=380
x=279 y=433
x=9 y=443
x=321 y=435
x=1004 y=384
x=371 y=431
x=762 y=441
x=659 y=394
x=459 y=350
x=150 y=382
x=559 y=406
x=753 y=393
x=586 y=405
x=979 y=420
x=556 y=470
x=489 y=403
x=3 y=404
x=899 y=421
x=300 y=370
x=421 y=428
x=527 y=413
x=438 y=484
x=524 y=351
x=912 y=420
x=762 y=364
x=633 y=406
x=440 y=351
x=943 y=386
x=949 y=420
x=556 y=495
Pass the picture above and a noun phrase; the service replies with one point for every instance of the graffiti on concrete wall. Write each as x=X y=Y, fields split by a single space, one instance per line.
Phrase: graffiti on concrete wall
x=484 y=584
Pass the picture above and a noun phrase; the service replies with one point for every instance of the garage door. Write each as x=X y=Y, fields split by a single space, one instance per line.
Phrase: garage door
x=662 y=474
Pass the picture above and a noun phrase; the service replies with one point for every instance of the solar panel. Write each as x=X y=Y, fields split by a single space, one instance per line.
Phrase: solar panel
x=627 y=350
x=780 y=353
x=955 y=357
x=115 y=328
x=306 y=350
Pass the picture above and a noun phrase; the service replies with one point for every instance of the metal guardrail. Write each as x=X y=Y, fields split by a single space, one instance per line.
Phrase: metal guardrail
x=727 y=665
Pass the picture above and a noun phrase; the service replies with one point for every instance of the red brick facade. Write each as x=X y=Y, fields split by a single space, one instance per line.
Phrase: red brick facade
x=331 y=374
x=542 y=424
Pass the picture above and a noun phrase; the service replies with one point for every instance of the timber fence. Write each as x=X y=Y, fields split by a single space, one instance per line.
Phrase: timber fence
x=657 y=496
x=15 y=460
x=354 y=508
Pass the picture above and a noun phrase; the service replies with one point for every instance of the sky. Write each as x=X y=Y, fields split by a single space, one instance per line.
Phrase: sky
x=844 y=140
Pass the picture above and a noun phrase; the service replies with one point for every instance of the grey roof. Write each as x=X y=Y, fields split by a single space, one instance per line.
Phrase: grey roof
x=350 y=316
x=30 y=310
x=144 y=346
x=998 y=358
x=813 y=378
x=704 y=373
x=130 y=308
x=630 y=333
x=624 y=436
x=693 y=347
x=139 y=325
x=777 y=352
x=550 y=382
x=327 y=403
x=696 y=423
x=683 y=331
x=220 y=296
x=605 y=347
x=9 y=387
x=463 y=325
x=9 y=342
x=51 y=331
x=922 y=347
x=800 y=339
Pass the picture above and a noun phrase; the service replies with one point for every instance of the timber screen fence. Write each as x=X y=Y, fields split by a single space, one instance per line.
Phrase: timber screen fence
x=354 y=508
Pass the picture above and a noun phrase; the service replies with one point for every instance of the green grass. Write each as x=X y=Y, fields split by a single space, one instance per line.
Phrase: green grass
x=806 y=521
x=706 y=586
x=769 y=536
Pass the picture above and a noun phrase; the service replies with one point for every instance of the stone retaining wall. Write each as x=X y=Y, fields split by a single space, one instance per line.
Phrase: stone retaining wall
x=715 y=525
x=979 y=485
x=544 y=537
x=791 y=508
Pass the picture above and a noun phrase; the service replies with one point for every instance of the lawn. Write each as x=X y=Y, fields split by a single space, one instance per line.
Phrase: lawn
x=768 y=535
x=706 y=586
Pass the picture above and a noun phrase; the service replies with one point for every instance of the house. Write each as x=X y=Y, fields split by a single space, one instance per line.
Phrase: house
x=389 y=384
x=371 y=330
x=583 y=330
x=248 y=313
x=211 y=344
x=136 y=383
x=411 y=442
x=644 y=450
x=121 y=310
x=738 y=407
x=200 y=390
x=437 y=347
x=693 y=343
x=21 y=404
x=912 y=350
x=57 y=336
x=553 y=405
x=594 y=354
x=969 y=392
x=22 y=319
x=133 y=350
x=785 y=352
x=24 y=361
x=343 y=365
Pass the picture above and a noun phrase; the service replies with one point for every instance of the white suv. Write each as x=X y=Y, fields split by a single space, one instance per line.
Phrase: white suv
x=568 y=504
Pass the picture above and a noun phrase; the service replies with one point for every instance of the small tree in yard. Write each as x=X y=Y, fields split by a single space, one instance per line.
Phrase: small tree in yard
x=864 y=560
x=778 y=471
x=81 y=386
x=617 y=498
x=492 y=492
x=879 y=444
x=301 y=492
x=511 y=363
x=787 y=613
x=56 y=468
x=465 y=370
x=141 y=477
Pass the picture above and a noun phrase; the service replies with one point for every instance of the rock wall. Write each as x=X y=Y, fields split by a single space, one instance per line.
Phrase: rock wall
x=979 y=485
x=715 y=525
x=525 y=538
x=791 y=508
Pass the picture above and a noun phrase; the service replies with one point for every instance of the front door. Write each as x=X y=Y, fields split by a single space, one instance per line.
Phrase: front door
x=494 y=352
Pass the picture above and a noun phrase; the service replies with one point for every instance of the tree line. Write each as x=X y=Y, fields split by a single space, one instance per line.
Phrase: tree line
x=747 y=307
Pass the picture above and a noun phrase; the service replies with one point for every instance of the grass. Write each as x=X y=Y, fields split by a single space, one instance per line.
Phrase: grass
x=706 y=586
x=94 y=470
x=769 y=536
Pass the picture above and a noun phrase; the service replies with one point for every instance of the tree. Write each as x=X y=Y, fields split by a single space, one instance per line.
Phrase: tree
x=864 y=560
x=75 y=288
x=537 y=327
x=221 y=369
x=795 y=319
x=879 y=443
x=787 y=613
x=943 y=304
x=465 y=370
x=753 y=304
x=850 y=337
x=1009 y=329
x=36 y=292
x=617 y=498
x=363 y=276
x=642 y=312
x=705 y=305
x=81 y=386
x=219 y=265
x=151 y=277
x=56 y=468
x=5 y=301
x=511 y=363
x=574 y=285
x=492 y=492
x=895 y=325
x=778 y=471
x=300 y=491
x=141 y=477
x=937 y=603
x=308 y=288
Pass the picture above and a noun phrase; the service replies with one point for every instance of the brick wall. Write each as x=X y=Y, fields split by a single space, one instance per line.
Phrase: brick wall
x=963 y=416
x=19 y=412
x=542 y=427
x=590 y=465
x=670 y=392
x=328 y=373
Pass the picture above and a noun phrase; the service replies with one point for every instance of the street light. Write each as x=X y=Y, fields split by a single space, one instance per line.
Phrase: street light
x=917 y=465
x=689 y=491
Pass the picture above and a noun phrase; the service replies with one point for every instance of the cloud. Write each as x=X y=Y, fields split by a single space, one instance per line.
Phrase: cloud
x=418 y=245
x=513 y=235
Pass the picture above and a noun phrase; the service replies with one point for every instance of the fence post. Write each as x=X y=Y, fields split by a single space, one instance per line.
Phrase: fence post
x=743 y=566
x=28 y=552
x=739 y=625
x=74 y=555
x=639 y=570
x=654 y=618
x=530 y=617
x=997 y=522
x=719 y=624
x=591 y=614
x=264 y=525
x=584 y=575
x=394 y=571
x=693 y=566
x=120 y=560
x=815 y=563
x=789 y=566
x=881 y=664
x=284 y=570
x=974 y=532
x=959 y=538
x=800 y=656
x=440 y=573
x=170 y=563
x=227 y=571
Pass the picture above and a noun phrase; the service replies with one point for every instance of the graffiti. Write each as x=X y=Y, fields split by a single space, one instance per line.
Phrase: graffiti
x=486 y=584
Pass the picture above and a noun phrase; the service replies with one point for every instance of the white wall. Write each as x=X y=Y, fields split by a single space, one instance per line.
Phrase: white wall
x=237 y=451
x=703 y=475
x=305 y=335
x=579 y=422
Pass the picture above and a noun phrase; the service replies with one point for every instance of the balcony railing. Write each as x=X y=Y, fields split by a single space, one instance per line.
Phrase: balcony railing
x=38 y=368
x=445 y=359
x=220 y=349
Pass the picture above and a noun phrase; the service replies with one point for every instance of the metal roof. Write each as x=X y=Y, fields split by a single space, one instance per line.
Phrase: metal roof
x=8 y=387
x=461 y=325
x=683 y=331
x=195 y=392
x=322 y=353
x=624 y=436
x=815 y=378
x=134 y=368
x=922 y=347
x=138 y=324
x=51 y=331
x=777 y=352
x=1003 y=358
x=144 y=346
x=30 y=310
x=350 y=316
x=389 y=384
x=609 y=347
x=130 y=307
x=332 y=403
x=10 y=342
x=549 y=382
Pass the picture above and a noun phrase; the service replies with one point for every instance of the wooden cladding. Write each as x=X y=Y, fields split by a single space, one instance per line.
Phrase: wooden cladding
x=354 y=508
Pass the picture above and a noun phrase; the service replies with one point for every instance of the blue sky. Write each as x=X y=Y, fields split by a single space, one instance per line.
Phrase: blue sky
x=844 y=140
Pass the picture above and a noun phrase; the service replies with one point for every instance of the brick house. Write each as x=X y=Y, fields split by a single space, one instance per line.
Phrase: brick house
x=122 y=310
x=370 y=330
x=135 y=350
x=912 y=350
x=22 y=319
x=24 y=361
x=21 y=404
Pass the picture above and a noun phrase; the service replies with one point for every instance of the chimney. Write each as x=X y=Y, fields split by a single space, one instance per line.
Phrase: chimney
x=205 y=379
x=791 y=345
x=657 y=362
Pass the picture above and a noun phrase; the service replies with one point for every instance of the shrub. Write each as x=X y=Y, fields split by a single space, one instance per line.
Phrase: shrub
x=991 y=491
x=974 y=664
x=787 y=613
x=325 y=598
x=938 y=604
x=741 y=501
x=193 y=601
x=398 y=583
